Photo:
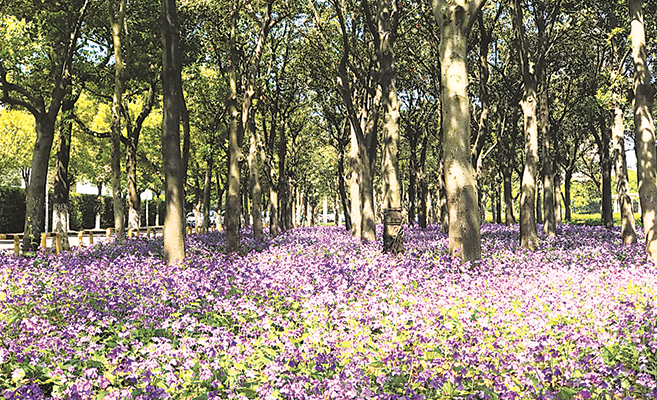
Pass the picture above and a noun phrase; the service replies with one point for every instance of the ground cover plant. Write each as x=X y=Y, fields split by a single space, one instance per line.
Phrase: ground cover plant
x=315 y=314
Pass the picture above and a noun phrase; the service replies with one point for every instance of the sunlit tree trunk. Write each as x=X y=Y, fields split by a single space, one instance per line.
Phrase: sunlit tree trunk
x=393 y=235
x=644 y=130
x=628 y=232
x=174 y=220
x=529 y=104
x=454 y=20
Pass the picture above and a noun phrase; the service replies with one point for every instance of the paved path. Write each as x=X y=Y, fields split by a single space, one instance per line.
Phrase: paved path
x=100 y=236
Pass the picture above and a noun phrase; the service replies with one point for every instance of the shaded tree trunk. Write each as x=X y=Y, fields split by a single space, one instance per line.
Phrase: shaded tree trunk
x=233 y=209
x=174 y=222
x=207 y=186
x=356 y=216
x=644 y=130
x=117 y=21
x=60 y=203
x=342 y=190
x=566 y=195
x=550 y=226
x=132 y=143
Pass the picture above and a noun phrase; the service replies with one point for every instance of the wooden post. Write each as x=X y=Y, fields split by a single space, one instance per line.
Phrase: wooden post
x=148 y=233
x=80 y=236
x=58 y=242
x=44 y=236
x=109 y=233
x=17 y=245
x=130 y=232
x=91 y=238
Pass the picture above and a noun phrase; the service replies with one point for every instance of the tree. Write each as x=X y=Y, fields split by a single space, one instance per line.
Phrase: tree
x=532 y=65
x=455 y=20
x=174 y=222
x=387 y=21
x=646 y=153
x=43 y=106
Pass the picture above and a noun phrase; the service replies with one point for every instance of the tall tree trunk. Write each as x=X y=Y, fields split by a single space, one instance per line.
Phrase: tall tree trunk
x=342 y=190
x=412 y=175
x=566 y=195
x=233 y=209
x=254 y=180
x=628 y=232
x=550 y=226
x=99 y=204
x=422 y=183
x=60 y=211
x=282 y=180
x=509 y=218
x=557 y=199
x=354 y=188
x=454 y=21
x=207 y=186
x=367 y=153
x=484 y=98
x=393 y=235
x=528 y=233
x=133 y=201
x=644 y=130
x=443 y=211
x=117 y=21
x=44 y=117
x=174 y=220
x=605 y=166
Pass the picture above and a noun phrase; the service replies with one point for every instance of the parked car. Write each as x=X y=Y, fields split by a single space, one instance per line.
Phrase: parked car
x=191 y=218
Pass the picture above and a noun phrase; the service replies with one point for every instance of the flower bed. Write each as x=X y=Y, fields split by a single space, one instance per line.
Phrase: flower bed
x=313 y=314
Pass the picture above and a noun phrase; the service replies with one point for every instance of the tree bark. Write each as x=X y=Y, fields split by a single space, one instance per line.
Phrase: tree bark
x=530 y=71
x=644 y=130
x=566 y=195
x=133 y=200
x=44 y=117
x=342 y=190
x=509 y=218
x=233 y=208
x=60 y=214
x=393 y=230
x=454 y=20
x=412 y=175
x=423 y=184
x=550 y=225
x=207 y=186
x=254 y=181
x=628 y=232
x=354 y=184
x=174 y=222
x=605 y=166
x=117 y=22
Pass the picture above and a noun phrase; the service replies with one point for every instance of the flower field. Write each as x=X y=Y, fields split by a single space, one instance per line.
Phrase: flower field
x=314 y=314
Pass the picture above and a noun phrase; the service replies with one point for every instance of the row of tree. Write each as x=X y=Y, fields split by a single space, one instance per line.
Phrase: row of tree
x=266 y=91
